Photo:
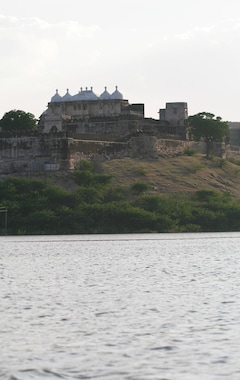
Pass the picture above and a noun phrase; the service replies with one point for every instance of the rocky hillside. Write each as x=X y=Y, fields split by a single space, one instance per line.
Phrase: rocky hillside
x=182 y=174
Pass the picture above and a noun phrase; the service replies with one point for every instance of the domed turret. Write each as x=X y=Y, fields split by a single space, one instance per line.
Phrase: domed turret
x=116 y=95
x=67 y=97
x=90 y=94
x=56 y=97
x=105 y=95
x=85 y=95
x=78 y=96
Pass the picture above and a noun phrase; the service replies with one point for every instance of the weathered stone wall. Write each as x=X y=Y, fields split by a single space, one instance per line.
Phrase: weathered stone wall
x=114 y=126
x=19 y=147
x=79 y=149
x=60 y=151
x=153 y=147
x=234 y=138
x=233 y=152
x=23 y=154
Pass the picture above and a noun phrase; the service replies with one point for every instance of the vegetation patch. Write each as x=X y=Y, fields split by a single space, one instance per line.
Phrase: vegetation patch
x=97 y=205
x=189 y=152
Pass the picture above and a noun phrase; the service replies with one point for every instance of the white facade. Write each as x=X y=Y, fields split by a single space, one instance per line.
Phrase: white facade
x=82 y=105
x=86 y=112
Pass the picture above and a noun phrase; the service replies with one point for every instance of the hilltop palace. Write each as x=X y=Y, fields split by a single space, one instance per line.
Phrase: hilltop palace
x=108 y=113
x=97 y=127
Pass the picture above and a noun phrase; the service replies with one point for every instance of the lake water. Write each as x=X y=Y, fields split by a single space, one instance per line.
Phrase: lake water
x=127 y=307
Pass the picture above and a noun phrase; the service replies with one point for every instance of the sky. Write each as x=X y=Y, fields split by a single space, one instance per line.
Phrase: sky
x=155 y=51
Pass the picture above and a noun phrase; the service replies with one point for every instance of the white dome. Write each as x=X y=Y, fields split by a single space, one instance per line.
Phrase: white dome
x=85 y=95
x=105 y=95
x=89 y=94
x=116 y=95
x=78 y=96
x=56 y=97
x=67 y=97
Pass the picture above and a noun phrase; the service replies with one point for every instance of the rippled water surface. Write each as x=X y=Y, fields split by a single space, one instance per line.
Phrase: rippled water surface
x=120 y=307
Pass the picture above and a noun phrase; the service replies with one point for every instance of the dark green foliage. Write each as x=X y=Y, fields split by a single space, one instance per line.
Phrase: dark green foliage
x=102 y=179
x=17 y=120
x=38 y=207
x=205 y=126
x=222 y=162
x=232 y=214
x=114 y=194
x=86 y=165
x=88 y=194
x=124 y=217
x=85 y=175
x=234 y=161
x=212 y=199
x=139 y=187
x=189 y=152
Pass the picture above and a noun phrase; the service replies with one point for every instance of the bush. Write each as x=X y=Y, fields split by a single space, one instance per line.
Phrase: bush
x=189 y=152
x=195 y=167
x=222 y=162
x=139 y=188
x=234 y=161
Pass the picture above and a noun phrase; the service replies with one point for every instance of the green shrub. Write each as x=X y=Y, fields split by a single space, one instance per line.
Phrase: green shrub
x=139 y=188
x=195 y=167
x=140 y=171
x=222 y=162
x=234 y=161
x=189 y=152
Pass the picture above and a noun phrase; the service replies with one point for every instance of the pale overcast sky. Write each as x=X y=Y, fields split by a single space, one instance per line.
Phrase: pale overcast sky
x=156 y=51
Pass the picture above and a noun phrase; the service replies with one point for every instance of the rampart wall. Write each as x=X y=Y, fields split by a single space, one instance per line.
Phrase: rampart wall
x=61 y=151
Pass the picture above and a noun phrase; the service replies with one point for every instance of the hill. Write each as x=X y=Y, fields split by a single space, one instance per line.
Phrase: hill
x=126 y=195
x=183 y=174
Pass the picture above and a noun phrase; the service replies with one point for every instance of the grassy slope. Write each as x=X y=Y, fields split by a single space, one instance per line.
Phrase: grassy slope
x=183 y=174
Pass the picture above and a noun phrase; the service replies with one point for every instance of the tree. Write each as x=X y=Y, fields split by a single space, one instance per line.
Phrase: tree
x=17 y=120
x=206 y=126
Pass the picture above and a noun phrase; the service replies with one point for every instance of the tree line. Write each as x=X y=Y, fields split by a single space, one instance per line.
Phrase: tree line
x=38 y=207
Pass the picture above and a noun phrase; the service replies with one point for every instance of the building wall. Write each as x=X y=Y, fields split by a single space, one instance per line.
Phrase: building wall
x=60 y=152
x=234 y=138
x=59 y=114
x=174 y=113
x=86 y=108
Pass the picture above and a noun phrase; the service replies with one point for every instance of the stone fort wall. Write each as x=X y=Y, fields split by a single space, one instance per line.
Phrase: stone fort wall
x=59 y=151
